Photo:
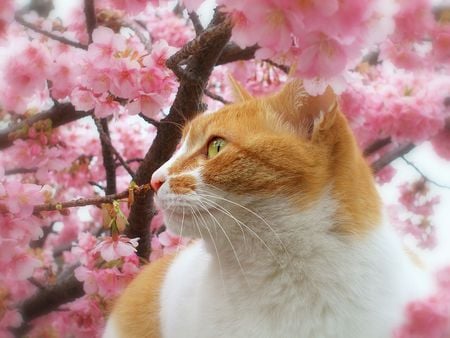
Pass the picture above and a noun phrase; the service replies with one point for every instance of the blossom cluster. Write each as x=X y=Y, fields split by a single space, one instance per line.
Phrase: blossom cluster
x=317 y=37
x=419 y=40
x=385 y=101
x=122 y=72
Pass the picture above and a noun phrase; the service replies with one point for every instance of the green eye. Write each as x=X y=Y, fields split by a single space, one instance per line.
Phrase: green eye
x=215 y=145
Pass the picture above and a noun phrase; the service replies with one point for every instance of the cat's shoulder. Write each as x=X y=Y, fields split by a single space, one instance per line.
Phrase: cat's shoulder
x=136 y=313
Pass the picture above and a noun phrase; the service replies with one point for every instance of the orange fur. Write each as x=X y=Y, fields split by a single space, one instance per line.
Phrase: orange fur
x=289 y=144
x=182 y=184
x=136 y=312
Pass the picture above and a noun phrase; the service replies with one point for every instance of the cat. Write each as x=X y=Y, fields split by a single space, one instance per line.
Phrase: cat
x=291 y=237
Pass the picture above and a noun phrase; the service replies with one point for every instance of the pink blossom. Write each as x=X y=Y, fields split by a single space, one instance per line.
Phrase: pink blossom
x=111 y=249
x=105 y=44
x=21 y=198
x=83 y=99
x=26 y=68
x=441 y=144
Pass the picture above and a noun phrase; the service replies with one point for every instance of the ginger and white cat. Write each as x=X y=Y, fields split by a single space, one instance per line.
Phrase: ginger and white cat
x=291 y=237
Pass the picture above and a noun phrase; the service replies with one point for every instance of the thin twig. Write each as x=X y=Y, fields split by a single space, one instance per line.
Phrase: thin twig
x=150 y=120
x=50 y=35
x=426 y=178
x=82 y=202
x=216 y=97
x=285 y=69
x=97 y=185
x=104 y=136
x=136 y=28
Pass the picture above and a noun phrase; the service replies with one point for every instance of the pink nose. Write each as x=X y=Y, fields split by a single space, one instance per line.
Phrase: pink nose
x=157 y=180
x=156 y=184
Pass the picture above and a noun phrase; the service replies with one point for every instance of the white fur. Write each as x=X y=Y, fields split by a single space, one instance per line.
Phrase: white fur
x=110 y=329
x=306 y=281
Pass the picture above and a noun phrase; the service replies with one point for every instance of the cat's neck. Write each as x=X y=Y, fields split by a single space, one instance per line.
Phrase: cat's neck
x=275 y=240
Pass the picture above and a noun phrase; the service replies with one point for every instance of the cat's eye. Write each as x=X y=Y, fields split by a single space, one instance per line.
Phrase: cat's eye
x=215 y=146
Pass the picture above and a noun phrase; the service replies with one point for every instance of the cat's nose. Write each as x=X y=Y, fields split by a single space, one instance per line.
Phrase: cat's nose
x=158 y=179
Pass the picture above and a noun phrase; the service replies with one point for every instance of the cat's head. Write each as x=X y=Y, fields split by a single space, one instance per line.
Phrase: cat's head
x=277 y=155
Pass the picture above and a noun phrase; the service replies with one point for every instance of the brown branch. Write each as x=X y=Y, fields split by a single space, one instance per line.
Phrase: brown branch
x=233 y=52
x=216 y=97
x=102 y=127
x=377 y=145
x=149 y=120
x=391 y=156
x=49 y=299
x=59 y=115
x=91 y=19
x=198 y=27
x=107 y=154
x=285 y=69
x=200 y=57
x=16 y=171
x=80 y=202
x=50 y=35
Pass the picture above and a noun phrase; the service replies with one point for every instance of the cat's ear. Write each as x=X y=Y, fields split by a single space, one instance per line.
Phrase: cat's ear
x=240 y=94
x=308 y=115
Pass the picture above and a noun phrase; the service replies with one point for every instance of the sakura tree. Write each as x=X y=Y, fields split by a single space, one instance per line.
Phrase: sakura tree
x=91 y=105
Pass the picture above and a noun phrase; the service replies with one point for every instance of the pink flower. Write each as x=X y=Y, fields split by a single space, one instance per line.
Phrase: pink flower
x=111 y=249
x=125 y=78
x=21 y=198
x=82 y=99
x=441 y=144
x=320 y=54
x=88 y=278
x=105 y=106
x=105 y=44
x=26 y=69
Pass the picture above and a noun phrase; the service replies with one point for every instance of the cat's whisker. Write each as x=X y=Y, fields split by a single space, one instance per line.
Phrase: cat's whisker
x=212 y=240
x=181 y=230
x=226 y=212
x=210 y=194
x=229 y=241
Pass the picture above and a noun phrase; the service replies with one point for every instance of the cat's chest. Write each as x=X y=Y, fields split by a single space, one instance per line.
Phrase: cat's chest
x=284 y=313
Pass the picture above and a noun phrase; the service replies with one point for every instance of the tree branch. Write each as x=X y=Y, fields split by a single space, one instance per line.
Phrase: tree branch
x=59 y=115
x=391 y=156
x=91 y=19
x=198 y=27
x=49 y=299
x=377 y=145
x=16 y=171
x=107 y=154
x=149 y=120
x=216 y=97
x=233 y=52
x=102 y=127
x=50 y=35
x=200 y=56
x=81 y=202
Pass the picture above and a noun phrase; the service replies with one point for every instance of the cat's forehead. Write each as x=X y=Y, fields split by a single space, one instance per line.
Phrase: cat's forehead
x=229 y=121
